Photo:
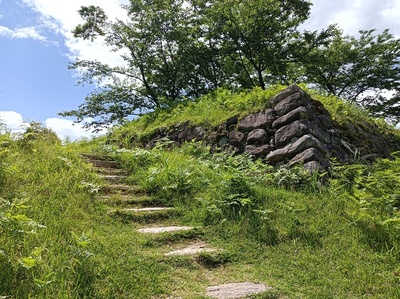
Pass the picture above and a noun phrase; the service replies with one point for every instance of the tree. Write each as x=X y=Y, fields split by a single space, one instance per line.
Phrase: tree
x=176 y=50
x=158 y=48
x=95 y=18
x=347 y=66
x=255 y=37
x=3 y=126
x=35 y=131
x=387 y=107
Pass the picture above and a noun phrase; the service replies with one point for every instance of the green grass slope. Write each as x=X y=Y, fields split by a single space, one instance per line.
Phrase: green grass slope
x=303 y=234
x=213 y=109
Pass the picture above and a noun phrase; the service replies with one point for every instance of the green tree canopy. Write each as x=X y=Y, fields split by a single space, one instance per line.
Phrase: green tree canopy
x=348 y=66
x=355 y=68
x=387 y=107
x=177 y=50
x=256 y=37
x=157 y=47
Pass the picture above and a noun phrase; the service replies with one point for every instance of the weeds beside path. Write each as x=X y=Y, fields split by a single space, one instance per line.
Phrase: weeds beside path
x=61 y=237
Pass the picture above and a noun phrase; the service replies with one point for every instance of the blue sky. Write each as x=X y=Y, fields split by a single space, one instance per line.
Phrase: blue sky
x=36 y=46
x=34 y=80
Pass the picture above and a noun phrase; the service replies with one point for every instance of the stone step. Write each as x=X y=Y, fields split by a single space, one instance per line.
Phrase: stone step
x=124 y=200
x=144 y=215
x=236 y=290
x=103 y=163
x=164 y=229
x=192 y=249
x=159 y=237
x=149 y=209
x=110 y=171
x=88 y=156
x=113 y=178
x=121 y=189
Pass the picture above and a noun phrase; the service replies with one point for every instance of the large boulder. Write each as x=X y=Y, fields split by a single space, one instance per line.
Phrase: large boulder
x=284 y=94
x=310 y=154
x=261 y=120
x=257 y=136
x=292 y=149
x=299 y=128
x=301 y=112
x=237 y=138
x=291 y=102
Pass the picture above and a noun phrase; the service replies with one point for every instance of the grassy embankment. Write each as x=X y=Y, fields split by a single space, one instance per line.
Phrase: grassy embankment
x=307 y=239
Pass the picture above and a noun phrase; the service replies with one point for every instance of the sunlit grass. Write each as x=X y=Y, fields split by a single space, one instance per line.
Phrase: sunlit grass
x=304 y=236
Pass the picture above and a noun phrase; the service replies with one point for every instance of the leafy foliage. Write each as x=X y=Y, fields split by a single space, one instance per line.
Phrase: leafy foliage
x=175 y=51
x=158 y=54
x=384 y=107
x=348 y=66
x=95 y=17
x=255 y=38
x=373 y=194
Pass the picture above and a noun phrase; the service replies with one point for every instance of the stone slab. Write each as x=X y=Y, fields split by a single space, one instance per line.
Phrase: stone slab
x=110 y=171
x=94 y=157
x=259 y=120
x=310 y=154
x=301 y=112
x=236 y=290
x=121 y=189
x=292 y=149
x=163 y=229
x=113 y=178
x=104 y=163
x=259 y=151
x=291 y=102
x=257 y=136
x=284 y=94
x=299 y=128
x=237 y=138
x=153 y=209
x=191 y=249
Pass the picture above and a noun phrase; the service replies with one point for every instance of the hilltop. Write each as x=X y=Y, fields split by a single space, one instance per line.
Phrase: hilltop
x=265 y=125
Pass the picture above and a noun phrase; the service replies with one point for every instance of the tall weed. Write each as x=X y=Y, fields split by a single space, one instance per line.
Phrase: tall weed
x=372 y=194
x=35 y=231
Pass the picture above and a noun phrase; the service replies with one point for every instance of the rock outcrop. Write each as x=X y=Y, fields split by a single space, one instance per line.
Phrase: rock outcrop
x=293 y=130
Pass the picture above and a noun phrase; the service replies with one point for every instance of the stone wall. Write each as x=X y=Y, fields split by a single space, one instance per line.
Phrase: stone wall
x=294 y=129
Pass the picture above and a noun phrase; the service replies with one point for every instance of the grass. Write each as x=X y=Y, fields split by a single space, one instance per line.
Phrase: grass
x=304 y=236
x=215 y=108
x=208 y=111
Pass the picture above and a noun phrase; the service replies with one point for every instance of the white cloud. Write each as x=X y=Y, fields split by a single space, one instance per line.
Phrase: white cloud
x=12 y=120
x=64 y=128
x=62 y=17
x=354 y=15
x=27 y=32
x=67 y=128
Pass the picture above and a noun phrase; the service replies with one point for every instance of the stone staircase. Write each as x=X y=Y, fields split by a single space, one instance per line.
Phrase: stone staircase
x=130 y=203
